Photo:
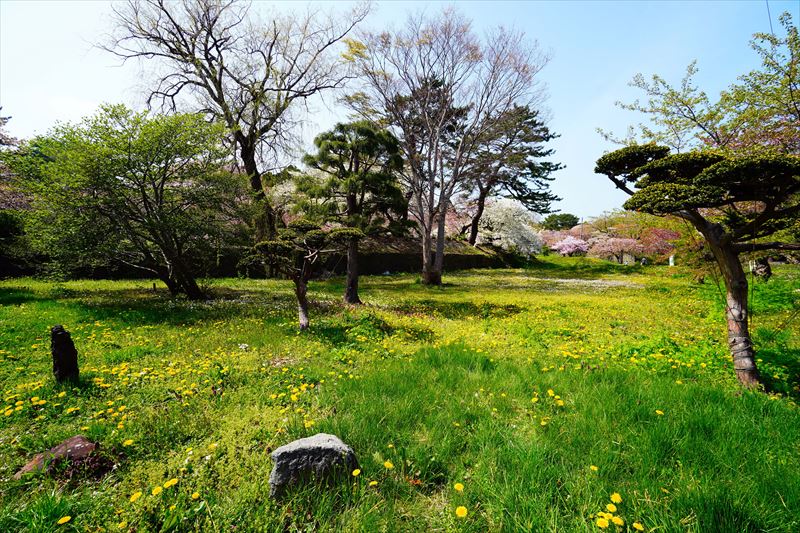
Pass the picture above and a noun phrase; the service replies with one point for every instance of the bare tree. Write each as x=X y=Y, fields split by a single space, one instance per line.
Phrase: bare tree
x=252 y=75
x=440 y=88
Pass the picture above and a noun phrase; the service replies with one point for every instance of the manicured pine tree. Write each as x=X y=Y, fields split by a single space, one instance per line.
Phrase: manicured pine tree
x=356 y=186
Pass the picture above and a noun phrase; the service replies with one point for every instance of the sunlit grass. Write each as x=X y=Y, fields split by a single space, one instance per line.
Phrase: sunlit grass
x=541 y=391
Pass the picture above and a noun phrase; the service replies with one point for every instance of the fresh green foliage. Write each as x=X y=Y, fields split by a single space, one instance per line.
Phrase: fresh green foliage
x=760 y=113
x=448 y=385
x=151 y=192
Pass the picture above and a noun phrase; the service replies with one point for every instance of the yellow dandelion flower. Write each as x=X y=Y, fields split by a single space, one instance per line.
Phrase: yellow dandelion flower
x=659 y=412
x=135 y=496
x=602 y=523
x=64 y=519
x=122 y=525
x=195 y=495
x=459 y=487
x=172 y=482
x=638 y=527
x=550 y=392
x=388 y=465
x=461 y=511
x=618 y=521
x=593 y=468
x=356 y=472
x=611 y=508
x=156 y=491
x=128 y=442
x=616 y=498
x=373 y=483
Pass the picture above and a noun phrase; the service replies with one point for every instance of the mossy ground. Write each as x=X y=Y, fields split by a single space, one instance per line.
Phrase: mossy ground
x=542 y=391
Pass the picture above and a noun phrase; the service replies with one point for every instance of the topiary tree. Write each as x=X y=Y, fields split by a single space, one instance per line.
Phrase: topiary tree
x=559 y=221
x=359 y=188
x=737 y=203
x=296 y=251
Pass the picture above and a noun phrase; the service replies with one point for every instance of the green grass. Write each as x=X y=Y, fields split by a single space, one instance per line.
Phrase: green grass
x=439 y=382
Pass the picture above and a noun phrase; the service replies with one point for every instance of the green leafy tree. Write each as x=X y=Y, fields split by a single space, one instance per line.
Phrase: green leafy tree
x=737 y=203
x=297 y=250
x=559 y=221
x=150 y=192
x=359 y=165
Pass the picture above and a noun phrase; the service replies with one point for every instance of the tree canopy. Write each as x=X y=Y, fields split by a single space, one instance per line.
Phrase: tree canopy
x=150 y=192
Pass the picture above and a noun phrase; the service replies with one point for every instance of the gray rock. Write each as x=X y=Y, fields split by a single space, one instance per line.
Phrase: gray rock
x=321 y=456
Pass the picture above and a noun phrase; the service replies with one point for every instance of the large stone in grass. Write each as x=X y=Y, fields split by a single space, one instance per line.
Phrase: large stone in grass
x=320 y=457
x=65 y=356
x=75 y=450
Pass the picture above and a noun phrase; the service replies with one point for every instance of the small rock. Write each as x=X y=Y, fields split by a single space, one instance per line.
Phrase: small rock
x=75 y=450
x=320 y=456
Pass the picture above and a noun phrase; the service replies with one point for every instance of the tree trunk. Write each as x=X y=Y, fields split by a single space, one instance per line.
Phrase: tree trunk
x=427 y=257
x=265 y=221
x=186 y=281
x=429 y=274
x=351 y=289
x=301 y=290
x=739 y=343
x=167 y=279
x=438 y=262
x=476 y=220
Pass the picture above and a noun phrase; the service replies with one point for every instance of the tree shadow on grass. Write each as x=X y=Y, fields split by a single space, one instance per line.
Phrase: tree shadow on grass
x=456 y=310
x=772 y=347
x=581 y=268
x=346 y=329
x=138 y=307
x=17 y=295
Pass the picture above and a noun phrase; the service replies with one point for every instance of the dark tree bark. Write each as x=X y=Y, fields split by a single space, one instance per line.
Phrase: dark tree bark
x=65 y=356
x=265 y=223
x=351 y=289
x=438 y=261
x=476 y=219
x=169 y=281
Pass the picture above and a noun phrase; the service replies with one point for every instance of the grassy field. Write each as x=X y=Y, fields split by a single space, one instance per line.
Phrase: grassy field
x=527 y=397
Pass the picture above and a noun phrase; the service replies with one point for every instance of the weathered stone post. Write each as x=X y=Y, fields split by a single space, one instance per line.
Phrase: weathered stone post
x=65 y=356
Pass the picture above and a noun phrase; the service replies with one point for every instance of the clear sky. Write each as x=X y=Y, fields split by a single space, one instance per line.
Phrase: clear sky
x=50 y=71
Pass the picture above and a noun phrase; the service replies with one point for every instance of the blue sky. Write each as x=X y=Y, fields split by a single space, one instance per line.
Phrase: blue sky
x=49 y=70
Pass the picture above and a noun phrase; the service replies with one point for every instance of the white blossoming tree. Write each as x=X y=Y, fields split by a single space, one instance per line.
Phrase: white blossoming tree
x=509 y=225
